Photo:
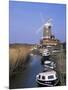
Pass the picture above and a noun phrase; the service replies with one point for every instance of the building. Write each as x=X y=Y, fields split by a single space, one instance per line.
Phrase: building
x=48 y=38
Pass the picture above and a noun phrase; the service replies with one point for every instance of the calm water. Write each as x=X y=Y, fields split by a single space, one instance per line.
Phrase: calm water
x=27 y=78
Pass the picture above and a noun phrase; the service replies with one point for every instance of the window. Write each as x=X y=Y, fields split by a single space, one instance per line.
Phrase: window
x=49 y=64
x=50 y=77
x=43 y=77
x=39 y=76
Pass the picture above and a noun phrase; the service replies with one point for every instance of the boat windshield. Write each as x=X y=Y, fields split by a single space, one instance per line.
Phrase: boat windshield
x=50 y=77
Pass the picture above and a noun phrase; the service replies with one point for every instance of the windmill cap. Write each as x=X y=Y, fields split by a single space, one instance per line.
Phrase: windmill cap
x=47 y=24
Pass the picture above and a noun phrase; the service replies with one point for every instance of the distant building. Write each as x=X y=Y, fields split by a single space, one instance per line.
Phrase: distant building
x=49 y=42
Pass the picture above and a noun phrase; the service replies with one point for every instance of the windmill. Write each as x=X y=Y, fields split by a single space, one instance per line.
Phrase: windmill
x=46 y=27
x=48 y=38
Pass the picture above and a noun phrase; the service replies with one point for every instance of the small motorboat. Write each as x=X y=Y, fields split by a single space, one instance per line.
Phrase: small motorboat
x=49 y=64
x=47 y=78
x=45 y=53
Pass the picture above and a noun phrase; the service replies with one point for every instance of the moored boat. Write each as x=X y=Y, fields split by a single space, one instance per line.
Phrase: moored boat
x=45 y=55
x=49 y=64
x=45 y=52
x=47 y=78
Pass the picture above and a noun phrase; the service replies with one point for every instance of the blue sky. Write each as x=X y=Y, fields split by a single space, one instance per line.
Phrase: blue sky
x=25 y=18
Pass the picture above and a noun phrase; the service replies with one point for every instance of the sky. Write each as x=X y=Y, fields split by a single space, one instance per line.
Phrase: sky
x=25 y=18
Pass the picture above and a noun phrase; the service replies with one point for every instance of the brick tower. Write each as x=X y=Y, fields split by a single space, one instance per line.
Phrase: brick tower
x=48 y=38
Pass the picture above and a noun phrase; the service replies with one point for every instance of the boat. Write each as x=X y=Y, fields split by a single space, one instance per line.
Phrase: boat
x=49 y=64
x=47 y=78
x=45 y=53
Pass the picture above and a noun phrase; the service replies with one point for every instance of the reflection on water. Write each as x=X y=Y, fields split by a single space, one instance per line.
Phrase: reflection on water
x=26 y=79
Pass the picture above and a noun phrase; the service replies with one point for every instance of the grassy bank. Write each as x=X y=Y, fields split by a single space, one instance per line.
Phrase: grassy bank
x=18 y=57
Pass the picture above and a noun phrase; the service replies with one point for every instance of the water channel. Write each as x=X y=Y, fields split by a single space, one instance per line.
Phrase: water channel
x=27 y=78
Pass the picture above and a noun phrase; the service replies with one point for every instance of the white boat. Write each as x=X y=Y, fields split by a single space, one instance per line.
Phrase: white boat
x=49 y=64
x=47 y=78
x=45 y=52
x=45 y=55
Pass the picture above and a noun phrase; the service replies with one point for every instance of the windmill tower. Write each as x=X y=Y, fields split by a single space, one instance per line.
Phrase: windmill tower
x=47 y=30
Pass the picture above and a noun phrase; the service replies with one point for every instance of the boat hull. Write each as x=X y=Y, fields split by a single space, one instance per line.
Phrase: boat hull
x=47 y=83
